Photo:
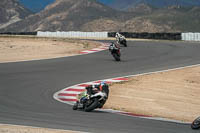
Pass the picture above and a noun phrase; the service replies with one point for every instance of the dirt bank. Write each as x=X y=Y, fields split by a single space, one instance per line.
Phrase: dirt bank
x=24 y=129
x=33 y=48
x=173 y=94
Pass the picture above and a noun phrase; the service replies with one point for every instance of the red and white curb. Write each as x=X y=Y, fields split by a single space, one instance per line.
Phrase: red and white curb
x=104 y=46
x=68 y=95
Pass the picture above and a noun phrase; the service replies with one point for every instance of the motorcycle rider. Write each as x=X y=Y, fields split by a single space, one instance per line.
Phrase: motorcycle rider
x=102 y=86
x=114 y=46
x=119 y=37
x=92 y=89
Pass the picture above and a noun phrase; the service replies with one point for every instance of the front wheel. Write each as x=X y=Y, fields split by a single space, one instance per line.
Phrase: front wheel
x=196 y=123
x=92 y=105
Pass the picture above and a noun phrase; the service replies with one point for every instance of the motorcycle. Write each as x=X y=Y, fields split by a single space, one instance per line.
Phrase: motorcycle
x=115 y=51
x=196 y=123
x=92 y=102
x=122 y=41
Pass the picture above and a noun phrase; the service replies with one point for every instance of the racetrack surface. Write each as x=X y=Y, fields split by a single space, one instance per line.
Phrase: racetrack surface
x=27 y=88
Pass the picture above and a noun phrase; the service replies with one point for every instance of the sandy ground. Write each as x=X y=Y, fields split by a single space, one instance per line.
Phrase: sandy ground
x=24 y=129
x=173 y=94
x=32 y=48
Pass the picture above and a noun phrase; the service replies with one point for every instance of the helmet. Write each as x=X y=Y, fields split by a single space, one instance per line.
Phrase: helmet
x=103 y=83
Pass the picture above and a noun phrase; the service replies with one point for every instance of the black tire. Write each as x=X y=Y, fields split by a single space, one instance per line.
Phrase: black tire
x=75 y=106
x=125 y=43
x=116 y=56
x=196 y=123
x=92 y=106
x=102 y=103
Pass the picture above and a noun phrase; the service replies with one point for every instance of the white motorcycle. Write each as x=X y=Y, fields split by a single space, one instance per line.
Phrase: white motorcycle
x=91 y=102
x=196 y=123
x=122 y=40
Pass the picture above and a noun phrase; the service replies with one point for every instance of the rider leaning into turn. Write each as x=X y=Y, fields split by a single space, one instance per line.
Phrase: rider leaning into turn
x=100 y=87
x=114 y=46
x=92 y=89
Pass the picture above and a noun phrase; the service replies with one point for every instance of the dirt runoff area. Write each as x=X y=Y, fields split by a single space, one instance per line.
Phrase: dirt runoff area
x=174 y=94
x=19 y=48
x=25 y=129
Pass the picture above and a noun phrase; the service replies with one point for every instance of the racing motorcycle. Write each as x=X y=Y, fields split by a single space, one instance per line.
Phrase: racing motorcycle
x=122 y=41
x=92 y=102
x=115 y=51
x=196 y=123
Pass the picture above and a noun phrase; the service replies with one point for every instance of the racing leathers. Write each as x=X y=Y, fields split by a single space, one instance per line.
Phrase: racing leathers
x=113 y=46
x=91 y=90
x=119 y=37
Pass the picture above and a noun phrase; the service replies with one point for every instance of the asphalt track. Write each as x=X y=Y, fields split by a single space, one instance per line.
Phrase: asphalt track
x=27 y=88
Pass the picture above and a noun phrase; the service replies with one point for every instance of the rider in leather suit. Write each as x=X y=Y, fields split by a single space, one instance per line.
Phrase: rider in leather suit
x=92 y=89
x=119 y=37
x=114 y=46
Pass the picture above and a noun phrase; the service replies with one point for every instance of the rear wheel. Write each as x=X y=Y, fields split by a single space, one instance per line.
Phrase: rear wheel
x=125 y=43
x=196 y=123
x=92 y=105
x=75 y=106
x=116 y=56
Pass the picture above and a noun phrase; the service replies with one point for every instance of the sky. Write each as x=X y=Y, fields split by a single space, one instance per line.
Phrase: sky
x=106 y=1
x=36 y=5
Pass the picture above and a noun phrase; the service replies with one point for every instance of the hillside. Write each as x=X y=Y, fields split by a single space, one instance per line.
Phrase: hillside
x=126 y=4
x=89 y=15
x=11 y=11
x=38 y=5
x=183 y=19
x=67 y=15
